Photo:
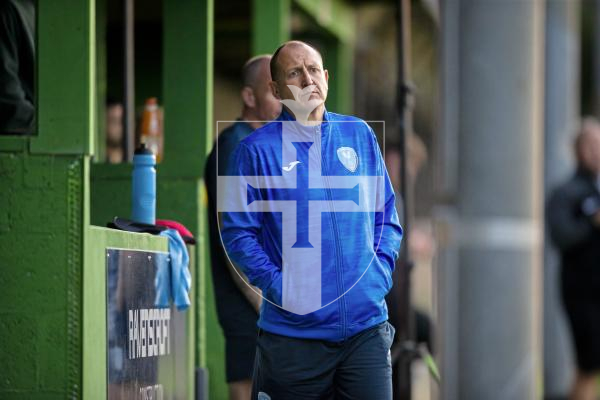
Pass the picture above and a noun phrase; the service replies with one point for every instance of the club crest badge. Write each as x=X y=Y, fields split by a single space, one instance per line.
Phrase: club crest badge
x=348 y=158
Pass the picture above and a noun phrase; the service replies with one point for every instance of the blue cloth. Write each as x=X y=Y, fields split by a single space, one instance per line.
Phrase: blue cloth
x=352 y=295
x=173 y=279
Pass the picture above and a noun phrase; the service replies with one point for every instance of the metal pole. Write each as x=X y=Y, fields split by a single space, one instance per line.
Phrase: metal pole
x=493 y=349
x=446 y=155
x=404 y=349
x=499 y=202
x=129 y=77
x=560 y=119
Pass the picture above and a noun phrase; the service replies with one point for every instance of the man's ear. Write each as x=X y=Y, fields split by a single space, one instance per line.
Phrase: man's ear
x=248 y=97
x=326 y=76
x=275 y=89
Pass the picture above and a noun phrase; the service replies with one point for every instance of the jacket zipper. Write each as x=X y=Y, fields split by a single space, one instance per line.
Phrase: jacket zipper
x=338 y=250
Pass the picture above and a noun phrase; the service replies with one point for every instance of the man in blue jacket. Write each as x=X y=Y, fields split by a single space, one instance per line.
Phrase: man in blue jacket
x=309 y=217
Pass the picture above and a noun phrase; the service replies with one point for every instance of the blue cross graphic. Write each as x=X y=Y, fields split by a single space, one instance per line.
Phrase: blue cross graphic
x=302 y=194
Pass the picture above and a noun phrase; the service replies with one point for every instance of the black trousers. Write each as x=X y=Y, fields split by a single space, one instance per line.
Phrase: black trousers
x=359 y=368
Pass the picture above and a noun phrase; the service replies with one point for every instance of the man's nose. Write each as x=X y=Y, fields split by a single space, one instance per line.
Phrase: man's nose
x=306 y=78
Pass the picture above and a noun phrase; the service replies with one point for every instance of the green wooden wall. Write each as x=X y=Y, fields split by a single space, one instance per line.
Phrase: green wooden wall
x=43 y=214
x=52 y=305
x=41 y=259
x=187 y=92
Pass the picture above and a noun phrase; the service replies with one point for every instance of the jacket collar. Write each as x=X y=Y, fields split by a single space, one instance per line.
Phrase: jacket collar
x=287 y=116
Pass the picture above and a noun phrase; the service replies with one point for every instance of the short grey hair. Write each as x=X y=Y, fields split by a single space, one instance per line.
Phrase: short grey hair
x=251 y=69
x=273 y=63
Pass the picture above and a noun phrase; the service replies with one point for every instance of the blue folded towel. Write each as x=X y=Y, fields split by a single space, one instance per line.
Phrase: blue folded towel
x=173 y=279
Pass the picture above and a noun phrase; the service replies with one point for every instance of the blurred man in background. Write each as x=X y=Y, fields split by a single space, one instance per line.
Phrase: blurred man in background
x=114 y=132
x=237 y=303
x=574 y=220
x=421 y=243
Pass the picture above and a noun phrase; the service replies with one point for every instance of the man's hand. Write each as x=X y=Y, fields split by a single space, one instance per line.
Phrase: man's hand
x=251 y=293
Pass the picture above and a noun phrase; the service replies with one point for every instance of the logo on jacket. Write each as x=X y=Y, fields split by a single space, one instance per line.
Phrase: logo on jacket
x=291 y=166
x=348 y=158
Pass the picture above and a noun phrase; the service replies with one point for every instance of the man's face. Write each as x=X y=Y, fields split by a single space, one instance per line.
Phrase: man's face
x=300 y=66
x=267 y=106
x=114 y=123
x=595 y=150
x=590 y=149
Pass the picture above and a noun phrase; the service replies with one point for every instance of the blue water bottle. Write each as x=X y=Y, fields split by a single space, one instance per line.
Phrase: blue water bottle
x=143 y=186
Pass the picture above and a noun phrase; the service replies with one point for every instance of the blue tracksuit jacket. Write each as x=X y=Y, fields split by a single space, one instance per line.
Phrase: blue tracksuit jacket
x=358 y=249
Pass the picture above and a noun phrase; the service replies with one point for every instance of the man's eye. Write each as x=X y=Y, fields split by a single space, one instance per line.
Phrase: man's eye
x=293 y=74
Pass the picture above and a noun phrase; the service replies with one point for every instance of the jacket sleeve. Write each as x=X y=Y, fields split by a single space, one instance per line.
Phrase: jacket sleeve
x=241 y=232
x=568 y=229
x=388 y=232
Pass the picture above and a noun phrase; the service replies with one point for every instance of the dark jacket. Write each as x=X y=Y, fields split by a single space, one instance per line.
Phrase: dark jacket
x=570 y=213
x=236 y=315
x=17 y=66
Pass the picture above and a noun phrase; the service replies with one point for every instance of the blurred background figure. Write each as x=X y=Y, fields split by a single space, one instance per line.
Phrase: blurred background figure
x=17 y=61
x=420 y=239
x=114 y=132
x=237 y=303
x=421 y=247
x=574 y=221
